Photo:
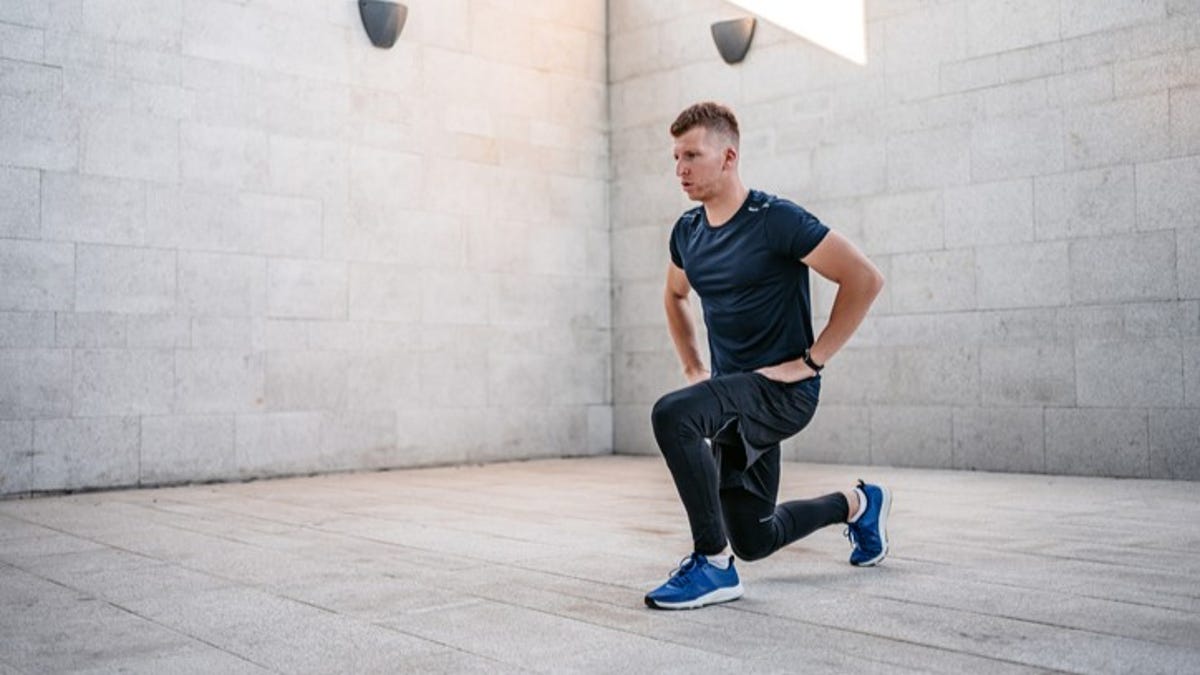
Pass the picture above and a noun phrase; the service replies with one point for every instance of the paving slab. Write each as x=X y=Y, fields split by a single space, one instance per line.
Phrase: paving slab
x=540 y=566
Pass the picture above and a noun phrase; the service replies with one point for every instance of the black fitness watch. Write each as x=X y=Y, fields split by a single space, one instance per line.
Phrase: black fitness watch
x=812 y=364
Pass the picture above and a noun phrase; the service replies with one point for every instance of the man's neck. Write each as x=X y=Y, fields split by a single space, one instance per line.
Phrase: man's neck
x=721 y=208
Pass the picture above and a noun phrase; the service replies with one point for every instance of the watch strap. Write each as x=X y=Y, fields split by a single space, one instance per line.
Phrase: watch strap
x=808 y=361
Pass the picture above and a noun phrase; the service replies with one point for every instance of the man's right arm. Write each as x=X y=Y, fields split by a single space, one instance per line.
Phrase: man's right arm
x=679 y=322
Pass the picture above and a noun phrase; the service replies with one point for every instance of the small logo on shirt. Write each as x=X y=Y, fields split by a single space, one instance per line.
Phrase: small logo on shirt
x=753 y=209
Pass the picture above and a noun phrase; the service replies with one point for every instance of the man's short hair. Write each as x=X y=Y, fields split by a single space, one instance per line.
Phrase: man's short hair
x=710 y=115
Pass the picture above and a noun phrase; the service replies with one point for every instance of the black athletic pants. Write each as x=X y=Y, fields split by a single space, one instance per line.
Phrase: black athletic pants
x=729 y=490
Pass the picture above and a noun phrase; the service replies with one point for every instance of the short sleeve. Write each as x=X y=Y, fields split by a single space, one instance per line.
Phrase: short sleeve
x=792 y=231
x=677 y=234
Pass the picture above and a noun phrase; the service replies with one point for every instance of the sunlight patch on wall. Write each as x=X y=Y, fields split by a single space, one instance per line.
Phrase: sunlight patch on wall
x=836 y=25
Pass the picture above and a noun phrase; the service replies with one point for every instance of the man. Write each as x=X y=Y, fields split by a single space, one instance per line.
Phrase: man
x=747 y=255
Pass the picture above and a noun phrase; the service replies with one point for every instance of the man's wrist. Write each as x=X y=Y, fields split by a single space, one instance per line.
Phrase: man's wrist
x=812 y=362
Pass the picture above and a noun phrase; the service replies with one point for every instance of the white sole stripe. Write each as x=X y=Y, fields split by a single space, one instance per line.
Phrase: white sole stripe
x=711 y=598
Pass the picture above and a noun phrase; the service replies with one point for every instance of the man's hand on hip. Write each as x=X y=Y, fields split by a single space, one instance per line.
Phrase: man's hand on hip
x=788 y=371
x=696 y=375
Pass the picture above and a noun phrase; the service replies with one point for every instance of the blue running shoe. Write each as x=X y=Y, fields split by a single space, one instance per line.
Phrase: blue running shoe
x=868 y=534
x=696 y=583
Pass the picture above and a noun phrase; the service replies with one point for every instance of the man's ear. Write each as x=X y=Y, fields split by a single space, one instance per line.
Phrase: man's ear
x=731 y=154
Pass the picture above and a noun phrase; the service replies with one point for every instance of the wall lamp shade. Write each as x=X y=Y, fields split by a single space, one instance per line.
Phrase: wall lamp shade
x=383 y=21
x=733 y=38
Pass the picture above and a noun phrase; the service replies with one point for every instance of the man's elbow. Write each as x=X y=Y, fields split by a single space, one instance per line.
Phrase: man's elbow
x=875 y=282
x=867 y=282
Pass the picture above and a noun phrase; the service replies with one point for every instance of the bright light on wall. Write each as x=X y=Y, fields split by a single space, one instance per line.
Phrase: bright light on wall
x=836 y=25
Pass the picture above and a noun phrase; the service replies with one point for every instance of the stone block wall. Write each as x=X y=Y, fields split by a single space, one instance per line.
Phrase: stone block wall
x=1025 y=173
x=237 y=240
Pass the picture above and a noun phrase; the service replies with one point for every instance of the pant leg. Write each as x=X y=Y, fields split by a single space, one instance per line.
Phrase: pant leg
x=682 y=420
x=756 y=527
x=744 y=405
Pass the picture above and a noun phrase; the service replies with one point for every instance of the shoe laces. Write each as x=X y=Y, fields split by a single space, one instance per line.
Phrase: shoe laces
x=681 y=575
x=849 y=534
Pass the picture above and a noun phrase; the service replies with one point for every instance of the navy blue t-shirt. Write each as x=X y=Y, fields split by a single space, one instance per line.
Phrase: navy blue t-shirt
x=751 y=283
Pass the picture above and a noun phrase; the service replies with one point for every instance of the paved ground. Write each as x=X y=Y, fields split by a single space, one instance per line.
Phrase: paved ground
x=541 y=566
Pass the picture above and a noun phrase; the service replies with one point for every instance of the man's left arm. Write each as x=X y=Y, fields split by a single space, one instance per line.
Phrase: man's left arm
x=858 y=282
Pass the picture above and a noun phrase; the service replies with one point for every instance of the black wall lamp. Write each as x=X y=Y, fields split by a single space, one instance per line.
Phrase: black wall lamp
x=733 y=38
x=383 y=20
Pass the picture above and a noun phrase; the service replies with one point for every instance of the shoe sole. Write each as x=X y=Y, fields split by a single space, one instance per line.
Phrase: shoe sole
x=883 y=516
x=727 y=594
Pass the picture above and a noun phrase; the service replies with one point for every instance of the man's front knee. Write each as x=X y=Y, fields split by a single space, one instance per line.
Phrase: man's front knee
x=667 y=411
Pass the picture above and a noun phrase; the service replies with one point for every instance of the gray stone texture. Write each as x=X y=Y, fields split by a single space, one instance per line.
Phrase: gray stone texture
x=187 y=448
x=19 y=217
x=912 y=436
x=900 y=223
x=210 y=381
x=92 y=209
x=1164 y=197
x=40 y=132
x=1185 y=120
x=212 y=219
x=220 y=217
x=1188 y=264
x=1017 y=146
x=21 y=42
x=929 y=159
x=1080 y=17
x=16 y=456
x=999 y=439
x=1123 y=268
x=1097 y=441
x=1038 y=208
x=1112 y=374
x=129 y=146
x=1115 y=132
x=222 y=285
x=1003 y=26
x=1088 y=203
x=95 y=330
x=1191 y=372
x=1023 y=375
x=85 y=452
x=355 y=572
x=837 y=433
x=1023 y=275
x=110 y=382
x=278 y=443
x=305 y=380
x=306 y=289
x=36 y=276
x=989 y=213
x=37 y=383
x=1174 y=440
x=937 y=281
x=26 y=329
x=158 y=331
x=240 y=211
x=125 y=279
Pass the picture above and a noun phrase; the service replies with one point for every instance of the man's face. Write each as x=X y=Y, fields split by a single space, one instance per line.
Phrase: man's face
x=700 y=157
